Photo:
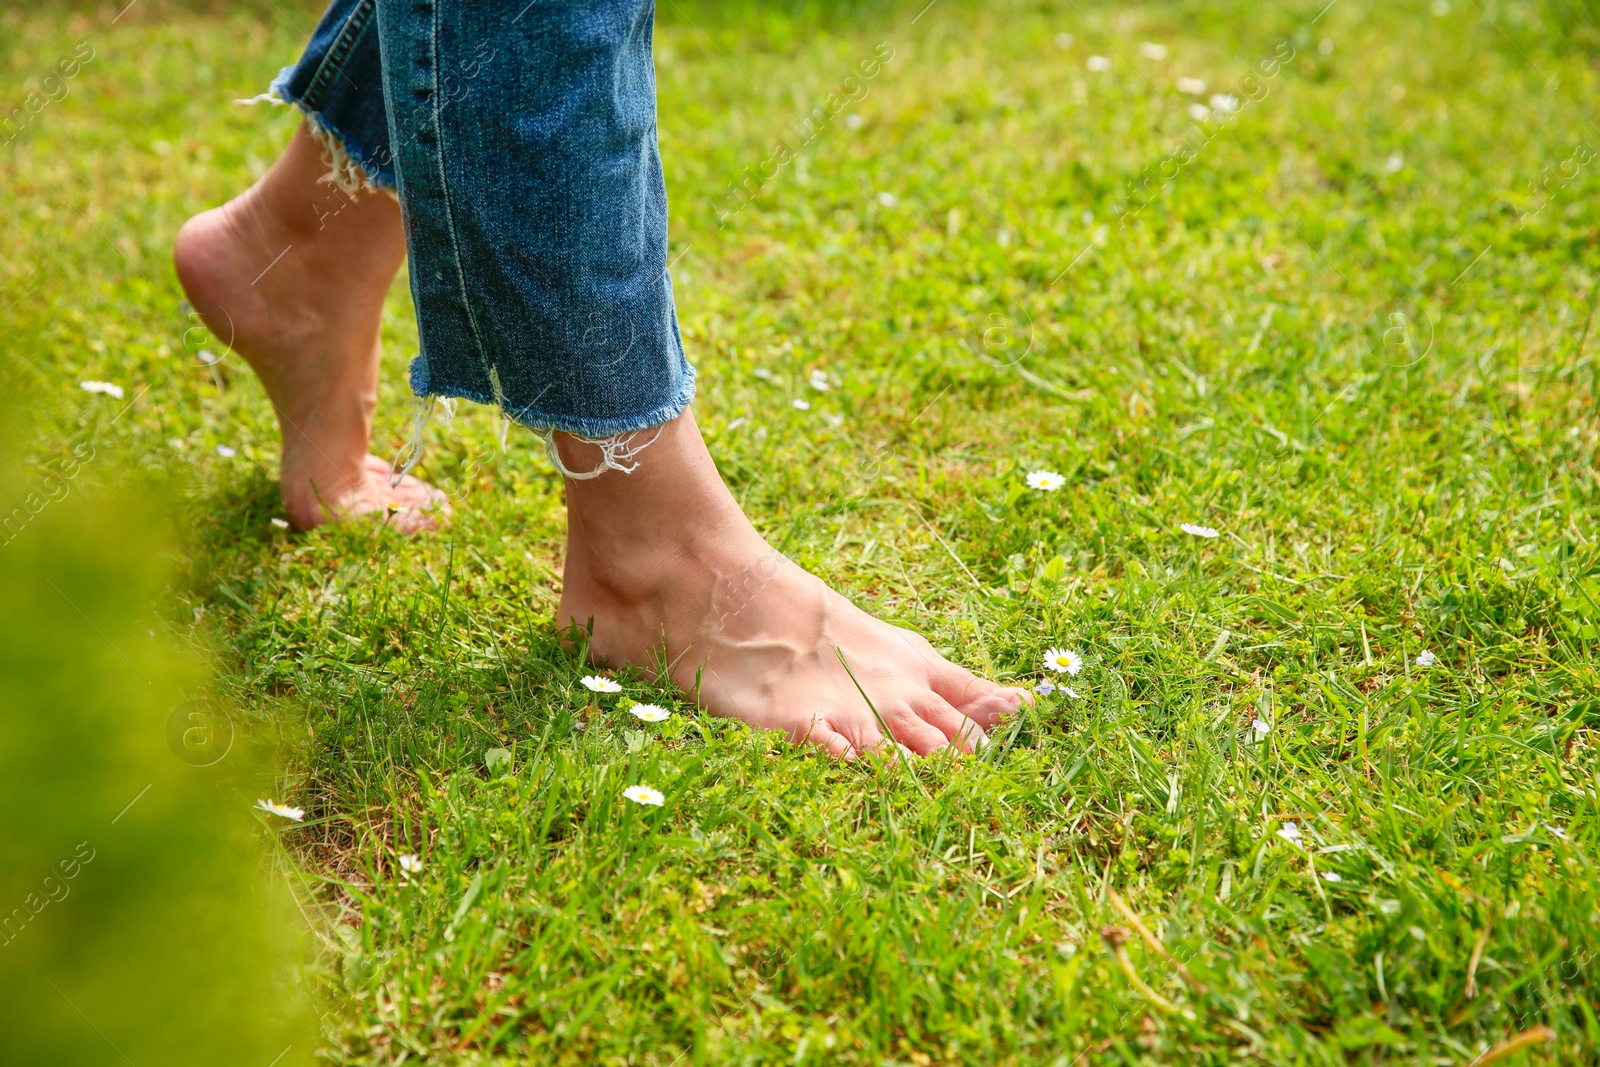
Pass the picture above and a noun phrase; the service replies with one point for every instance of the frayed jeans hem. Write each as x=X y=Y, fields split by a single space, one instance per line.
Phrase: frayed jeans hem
x=346 y=171
x=613 y=435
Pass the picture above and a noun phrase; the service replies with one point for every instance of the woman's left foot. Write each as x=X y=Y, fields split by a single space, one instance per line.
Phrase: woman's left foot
x=675 y=579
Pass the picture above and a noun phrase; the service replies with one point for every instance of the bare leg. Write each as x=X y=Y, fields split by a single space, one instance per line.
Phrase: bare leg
x=664 y=558
x=300 y=291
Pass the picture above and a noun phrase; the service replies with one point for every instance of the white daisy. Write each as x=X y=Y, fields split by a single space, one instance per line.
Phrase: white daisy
x=1331 y=876
x=1289 y=832
x=409 y=863
x=1224 y=102
x=763 y=373
x=1425 y=659
x=106 y=388
x=1063 y=661
x=599 y=683
x=1151 y=50
x=285 y=810
x=819 y=381
x=1394 y=164
x=1262 y=727
x=888 y=199
x=1199 y=112
x=1197 y=531
x=1099 y=64
x=1049 y=481
x=735 y=424
x=282 y=524
x=801 y=405
x=225 y=452
x=1045 y=688
x=1192 y=86
x=643 y=794
x=1063 y=40
x=853 y=121
x=650 y=712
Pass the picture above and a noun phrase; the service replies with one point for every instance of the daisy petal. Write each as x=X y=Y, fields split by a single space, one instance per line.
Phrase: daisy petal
x=1047 y=481
x=1063 y=661
x=643 y=794
x=650 y=712
x=273 y=807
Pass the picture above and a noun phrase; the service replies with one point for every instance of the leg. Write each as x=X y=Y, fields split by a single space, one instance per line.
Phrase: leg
x=294 y=273
x=536 y=222
x=663 y=561
x=307 y=324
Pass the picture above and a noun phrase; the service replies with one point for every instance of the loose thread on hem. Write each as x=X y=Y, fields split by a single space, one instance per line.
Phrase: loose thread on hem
x=411 y=454
x=618 y=452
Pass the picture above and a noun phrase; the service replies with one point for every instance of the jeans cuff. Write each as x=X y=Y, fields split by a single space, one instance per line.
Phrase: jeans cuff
x=342 y=154
x=587 y=427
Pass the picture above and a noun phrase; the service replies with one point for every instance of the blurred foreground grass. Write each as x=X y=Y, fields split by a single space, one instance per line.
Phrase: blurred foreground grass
x=139 y=919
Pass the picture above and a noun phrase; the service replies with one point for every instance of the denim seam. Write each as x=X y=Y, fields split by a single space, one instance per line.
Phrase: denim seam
x=332 y=139
x=332 y=64
x=450 y=221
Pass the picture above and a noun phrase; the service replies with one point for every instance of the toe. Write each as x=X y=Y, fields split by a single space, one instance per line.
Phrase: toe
x=830 y=740
x=861 y=731
x=408 y=490
x=915 y=732
x=979 y=699
x=957 y=728
x=413 y=520
x=410 y=505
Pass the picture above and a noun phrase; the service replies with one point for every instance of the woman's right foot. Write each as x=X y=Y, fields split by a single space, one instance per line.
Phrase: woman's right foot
x=298 y=292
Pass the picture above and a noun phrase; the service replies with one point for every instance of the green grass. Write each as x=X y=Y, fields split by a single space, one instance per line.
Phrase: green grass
x=1384 y=485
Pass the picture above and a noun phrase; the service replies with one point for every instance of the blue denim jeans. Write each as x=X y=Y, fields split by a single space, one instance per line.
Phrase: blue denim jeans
x=520 y=139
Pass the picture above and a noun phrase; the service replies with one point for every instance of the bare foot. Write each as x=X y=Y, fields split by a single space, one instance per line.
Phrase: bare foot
x=663 y=559
x=300 y=293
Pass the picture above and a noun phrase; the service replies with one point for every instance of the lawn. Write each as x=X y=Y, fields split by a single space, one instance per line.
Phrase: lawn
x=1325 y=789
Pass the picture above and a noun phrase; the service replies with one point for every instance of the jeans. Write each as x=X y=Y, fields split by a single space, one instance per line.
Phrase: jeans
x=520 y=140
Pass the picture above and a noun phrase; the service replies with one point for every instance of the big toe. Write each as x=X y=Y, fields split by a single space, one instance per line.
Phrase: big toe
x=982 y=701
x=406 y=488
x=411 y=503
x=423 y=509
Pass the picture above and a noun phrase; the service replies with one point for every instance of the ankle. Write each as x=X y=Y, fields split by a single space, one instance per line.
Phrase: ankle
x=635 y=566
